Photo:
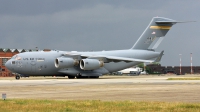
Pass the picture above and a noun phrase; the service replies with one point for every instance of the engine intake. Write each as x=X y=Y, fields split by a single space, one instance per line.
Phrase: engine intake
x=65 y=62
x=91 y=64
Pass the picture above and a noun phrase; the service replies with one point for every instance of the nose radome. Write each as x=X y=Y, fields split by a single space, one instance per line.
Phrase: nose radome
x=7 y=64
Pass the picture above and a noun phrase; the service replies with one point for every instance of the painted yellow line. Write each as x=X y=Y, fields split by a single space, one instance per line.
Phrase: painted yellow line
x=160 y=27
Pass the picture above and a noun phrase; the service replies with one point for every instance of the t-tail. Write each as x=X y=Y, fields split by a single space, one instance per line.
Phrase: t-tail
x=154 y=33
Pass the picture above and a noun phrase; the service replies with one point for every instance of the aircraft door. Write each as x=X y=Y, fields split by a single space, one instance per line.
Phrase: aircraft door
x=33 y=66
x=20 y=65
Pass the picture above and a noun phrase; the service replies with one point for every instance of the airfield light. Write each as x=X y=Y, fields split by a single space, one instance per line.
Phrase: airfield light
x=180 y=63
x=191 y=62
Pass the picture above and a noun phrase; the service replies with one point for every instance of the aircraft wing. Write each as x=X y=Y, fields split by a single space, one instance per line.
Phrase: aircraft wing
x=116 y=59
x=106 y=58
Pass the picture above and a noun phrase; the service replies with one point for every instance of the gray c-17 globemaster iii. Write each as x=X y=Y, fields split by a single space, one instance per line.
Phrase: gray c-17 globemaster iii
x=92 y=64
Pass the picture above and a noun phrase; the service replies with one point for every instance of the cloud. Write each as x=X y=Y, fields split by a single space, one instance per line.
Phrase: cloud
x=96 y=25
x=65 y=24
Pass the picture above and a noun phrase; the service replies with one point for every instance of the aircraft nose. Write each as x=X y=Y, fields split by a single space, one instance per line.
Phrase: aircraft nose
x=8 y=64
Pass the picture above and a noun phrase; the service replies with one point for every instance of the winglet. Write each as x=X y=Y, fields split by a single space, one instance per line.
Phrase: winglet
x=159 y=57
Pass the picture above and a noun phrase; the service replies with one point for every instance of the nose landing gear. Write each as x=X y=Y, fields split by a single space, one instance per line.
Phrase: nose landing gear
x=17 y=77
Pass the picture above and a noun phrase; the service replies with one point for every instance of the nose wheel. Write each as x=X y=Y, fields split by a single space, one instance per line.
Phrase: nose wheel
x=17 y=77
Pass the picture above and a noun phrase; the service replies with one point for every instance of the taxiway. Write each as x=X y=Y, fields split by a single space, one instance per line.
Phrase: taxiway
x=136 y=88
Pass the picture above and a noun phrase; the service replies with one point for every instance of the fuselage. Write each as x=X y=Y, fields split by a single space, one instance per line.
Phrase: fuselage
x=43 y=63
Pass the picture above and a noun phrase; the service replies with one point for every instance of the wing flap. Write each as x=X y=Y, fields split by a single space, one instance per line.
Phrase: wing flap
x=114 y=58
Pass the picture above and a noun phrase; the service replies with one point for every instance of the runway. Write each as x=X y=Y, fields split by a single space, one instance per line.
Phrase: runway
x=103 y=80
x=136 y=88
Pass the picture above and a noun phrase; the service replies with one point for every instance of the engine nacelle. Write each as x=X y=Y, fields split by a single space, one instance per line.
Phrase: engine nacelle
x=90 y=64
x=65 y=62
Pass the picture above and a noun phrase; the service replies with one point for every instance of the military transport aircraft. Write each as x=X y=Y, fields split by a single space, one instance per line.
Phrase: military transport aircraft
x=92 y=64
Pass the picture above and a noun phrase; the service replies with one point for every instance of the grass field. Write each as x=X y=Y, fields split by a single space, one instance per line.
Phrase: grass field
x=185 y=78
x=19 y=105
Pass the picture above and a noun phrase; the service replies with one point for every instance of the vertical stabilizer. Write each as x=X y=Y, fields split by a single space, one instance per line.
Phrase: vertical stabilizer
x=154 y=33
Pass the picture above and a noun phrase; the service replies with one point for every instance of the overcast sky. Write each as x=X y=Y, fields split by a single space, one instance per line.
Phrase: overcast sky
x=93 y=25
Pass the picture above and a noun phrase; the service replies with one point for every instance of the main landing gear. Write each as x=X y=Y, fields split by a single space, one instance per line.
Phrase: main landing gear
x=71 y=77
x=83 y=77
x=17 y=77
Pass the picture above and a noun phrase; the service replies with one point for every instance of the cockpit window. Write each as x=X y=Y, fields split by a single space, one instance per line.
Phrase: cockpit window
x=18 y=57
x=13 y=62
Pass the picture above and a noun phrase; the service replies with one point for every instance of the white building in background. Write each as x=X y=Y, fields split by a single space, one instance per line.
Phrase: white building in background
x=131 y=70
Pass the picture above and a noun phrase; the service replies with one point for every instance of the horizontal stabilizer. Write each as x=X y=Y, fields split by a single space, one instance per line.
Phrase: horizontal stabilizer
x=172 y=22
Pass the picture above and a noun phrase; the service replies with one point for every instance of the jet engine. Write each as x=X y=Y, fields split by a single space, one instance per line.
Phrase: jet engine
x=65 y=62
x=90 y=64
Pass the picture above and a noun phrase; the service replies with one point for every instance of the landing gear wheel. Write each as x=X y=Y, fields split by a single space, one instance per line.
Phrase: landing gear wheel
x=17 y=77
x=82 y=77
x=71 y=77
x=97 y=77
x=79 y=77
x=94 y=77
